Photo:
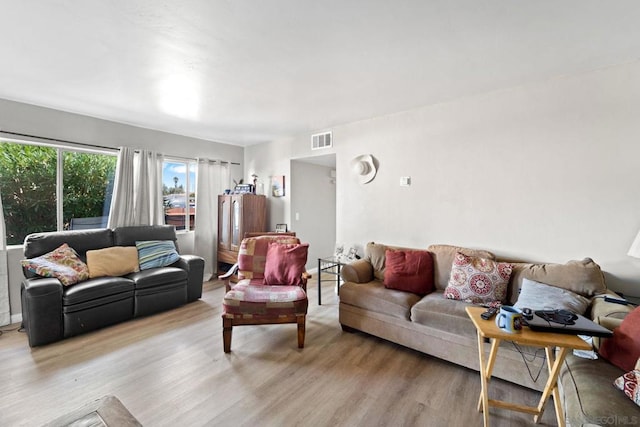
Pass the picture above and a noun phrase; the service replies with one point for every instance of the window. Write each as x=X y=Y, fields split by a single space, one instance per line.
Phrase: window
x=179 y=193
x=32 y=200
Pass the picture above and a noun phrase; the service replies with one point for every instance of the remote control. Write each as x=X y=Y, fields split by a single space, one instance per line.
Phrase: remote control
x=616 y=300
x=489 y=313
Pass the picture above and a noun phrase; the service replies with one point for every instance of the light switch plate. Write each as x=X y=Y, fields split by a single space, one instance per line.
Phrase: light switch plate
x=405 y=181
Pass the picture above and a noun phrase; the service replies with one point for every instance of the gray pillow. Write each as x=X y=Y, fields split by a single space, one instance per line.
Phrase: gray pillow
x=540 y=296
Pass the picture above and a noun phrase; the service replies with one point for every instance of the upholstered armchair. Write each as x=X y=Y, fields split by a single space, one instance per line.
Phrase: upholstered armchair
x=271 y=287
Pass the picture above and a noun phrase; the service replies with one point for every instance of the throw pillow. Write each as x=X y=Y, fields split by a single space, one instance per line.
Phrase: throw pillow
x=113 y=261
x=156 y=253
x=62 y=263
x=478 y=280
x=623 y=348
x=285 y=263
x=628 y=383
x=540 y=296
x=409 y=271
x=253 y=254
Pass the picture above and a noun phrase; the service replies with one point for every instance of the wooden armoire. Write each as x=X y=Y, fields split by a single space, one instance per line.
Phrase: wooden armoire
x=238 y=214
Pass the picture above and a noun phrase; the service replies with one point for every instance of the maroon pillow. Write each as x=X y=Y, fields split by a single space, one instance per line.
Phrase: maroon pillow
x=623 y=348
x=285 y=263
x=409 y=271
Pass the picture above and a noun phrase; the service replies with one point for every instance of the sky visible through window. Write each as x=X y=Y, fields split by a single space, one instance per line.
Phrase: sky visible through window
x=171 y=170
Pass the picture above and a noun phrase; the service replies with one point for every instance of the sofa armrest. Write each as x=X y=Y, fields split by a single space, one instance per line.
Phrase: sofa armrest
x=360 y=271
x=42 y=310
x=194 y=266
x=601 y=308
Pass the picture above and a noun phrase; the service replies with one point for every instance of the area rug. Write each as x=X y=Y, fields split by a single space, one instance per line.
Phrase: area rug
x=106 y=411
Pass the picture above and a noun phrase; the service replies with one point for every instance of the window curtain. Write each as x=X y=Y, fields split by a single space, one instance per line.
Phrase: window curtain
x=5 y=313
x=137 y=189
x=211 y=179
x=147 y=183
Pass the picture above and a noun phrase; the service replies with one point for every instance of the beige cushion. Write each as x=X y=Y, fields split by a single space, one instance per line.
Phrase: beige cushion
x=582 y=277
x=443 y=256
x=113 y=261
x=436 y=311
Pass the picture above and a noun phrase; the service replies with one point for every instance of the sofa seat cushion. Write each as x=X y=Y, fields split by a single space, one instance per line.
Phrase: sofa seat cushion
x=590 y=397
x=157 y=277
x=375 y=297
x=94 y=289
x=436 y=311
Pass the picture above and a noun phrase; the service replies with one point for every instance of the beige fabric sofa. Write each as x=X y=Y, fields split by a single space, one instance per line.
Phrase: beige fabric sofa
x=440 y=327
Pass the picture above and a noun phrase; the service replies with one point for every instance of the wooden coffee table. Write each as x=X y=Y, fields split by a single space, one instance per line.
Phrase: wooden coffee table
x=549 y=341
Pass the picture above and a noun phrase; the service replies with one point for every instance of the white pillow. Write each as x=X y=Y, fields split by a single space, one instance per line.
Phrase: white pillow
x=540 y=296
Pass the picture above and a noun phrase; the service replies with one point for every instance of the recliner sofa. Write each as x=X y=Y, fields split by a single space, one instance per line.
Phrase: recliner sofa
x=51 y=311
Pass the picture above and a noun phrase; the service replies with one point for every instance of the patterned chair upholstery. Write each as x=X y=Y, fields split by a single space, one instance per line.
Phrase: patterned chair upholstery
x=251 y=302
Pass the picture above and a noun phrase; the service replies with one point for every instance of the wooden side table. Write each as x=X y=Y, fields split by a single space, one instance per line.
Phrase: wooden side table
x=549 y=341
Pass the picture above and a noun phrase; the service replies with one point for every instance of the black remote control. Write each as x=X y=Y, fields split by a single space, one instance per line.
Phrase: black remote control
x=489 y=313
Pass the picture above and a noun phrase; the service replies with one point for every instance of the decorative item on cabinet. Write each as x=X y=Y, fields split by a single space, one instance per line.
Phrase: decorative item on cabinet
x=237 y=215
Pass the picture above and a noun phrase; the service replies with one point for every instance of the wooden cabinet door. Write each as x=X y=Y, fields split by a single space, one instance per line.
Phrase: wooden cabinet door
x=224 y=222
x=237 y=221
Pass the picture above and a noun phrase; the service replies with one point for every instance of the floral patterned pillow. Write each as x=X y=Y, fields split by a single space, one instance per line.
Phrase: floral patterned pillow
x=628 y=383
x=478 y=280
x=62 y=263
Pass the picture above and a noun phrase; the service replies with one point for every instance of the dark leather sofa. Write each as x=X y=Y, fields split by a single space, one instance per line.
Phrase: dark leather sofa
x=51 y=311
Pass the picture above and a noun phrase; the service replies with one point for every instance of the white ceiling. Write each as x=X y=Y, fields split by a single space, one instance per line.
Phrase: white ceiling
x=245 y=72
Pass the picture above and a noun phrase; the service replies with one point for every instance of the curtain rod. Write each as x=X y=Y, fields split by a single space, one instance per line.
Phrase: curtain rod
x=83 y=144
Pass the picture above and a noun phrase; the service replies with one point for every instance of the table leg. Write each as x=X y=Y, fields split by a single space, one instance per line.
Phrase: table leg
x=495 y=343
x=484 y=396
x=551 y=388
x=338 y=280
x=319 y=281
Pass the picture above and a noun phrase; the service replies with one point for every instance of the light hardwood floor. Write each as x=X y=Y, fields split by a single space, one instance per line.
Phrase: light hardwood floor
x=170 y=370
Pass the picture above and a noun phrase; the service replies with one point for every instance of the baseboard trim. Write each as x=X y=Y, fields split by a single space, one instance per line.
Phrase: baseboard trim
x=16 y=318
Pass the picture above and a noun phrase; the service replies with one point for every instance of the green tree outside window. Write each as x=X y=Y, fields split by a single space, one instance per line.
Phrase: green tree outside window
x=28 y=187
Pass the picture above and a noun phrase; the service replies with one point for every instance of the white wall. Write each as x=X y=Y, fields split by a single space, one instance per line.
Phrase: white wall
x=543 y=172
x=44 y=122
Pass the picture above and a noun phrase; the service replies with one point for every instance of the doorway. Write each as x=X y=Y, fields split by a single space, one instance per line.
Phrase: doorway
x=313 y=205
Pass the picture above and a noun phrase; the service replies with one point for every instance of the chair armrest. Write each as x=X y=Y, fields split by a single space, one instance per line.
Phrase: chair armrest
x=194 y=266
x=360 y=271
x=304 y=279
x=226 y=277
x=42 y=310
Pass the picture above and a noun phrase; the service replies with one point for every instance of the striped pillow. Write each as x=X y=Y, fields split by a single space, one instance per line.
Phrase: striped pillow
x=156 y=253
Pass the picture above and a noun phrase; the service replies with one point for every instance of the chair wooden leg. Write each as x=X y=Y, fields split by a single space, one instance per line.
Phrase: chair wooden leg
x=301 y=330
x=227 y=328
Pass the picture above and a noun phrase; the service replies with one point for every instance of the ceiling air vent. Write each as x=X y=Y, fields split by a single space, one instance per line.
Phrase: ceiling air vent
x=321 y=140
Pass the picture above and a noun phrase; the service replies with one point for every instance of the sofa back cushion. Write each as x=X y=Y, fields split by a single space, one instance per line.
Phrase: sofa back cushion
x=128 y=236
x=81 y=241
x=582 y=277
x=443 y=256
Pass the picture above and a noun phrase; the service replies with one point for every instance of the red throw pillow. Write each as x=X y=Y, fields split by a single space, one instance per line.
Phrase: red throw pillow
x=285 y=263
x=623 y=348
x=409 y=271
